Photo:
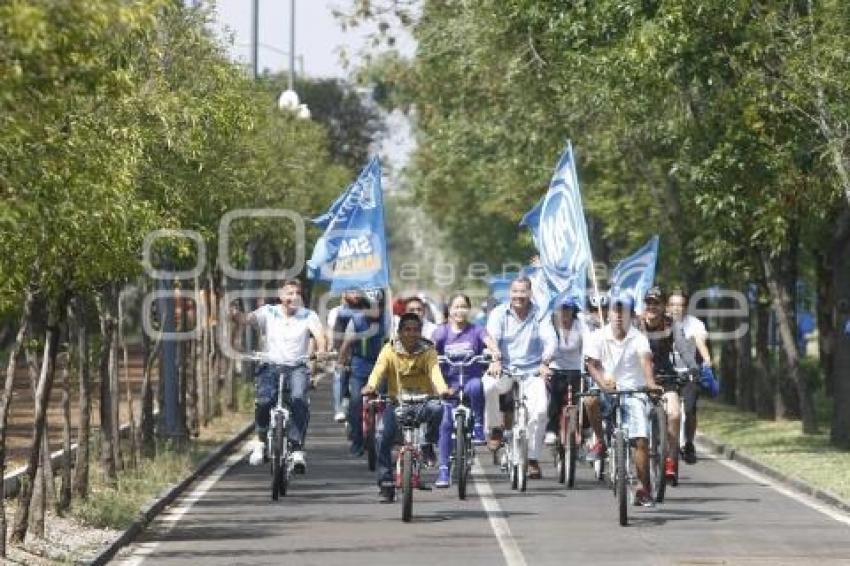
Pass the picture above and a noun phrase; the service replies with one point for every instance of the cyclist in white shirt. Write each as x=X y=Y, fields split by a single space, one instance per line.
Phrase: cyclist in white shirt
x=286 y=330
x=526 y=344
x=696 y=336
x=619 y=358
x=567 y=362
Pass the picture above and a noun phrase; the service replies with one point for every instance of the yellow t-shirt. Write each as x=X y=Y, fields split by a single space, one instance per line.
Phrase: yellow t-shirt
x=418 y=372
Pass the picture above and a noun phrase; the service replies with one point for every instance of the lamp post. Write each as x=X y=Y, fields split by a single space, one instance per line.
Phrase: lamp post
x=288 y=99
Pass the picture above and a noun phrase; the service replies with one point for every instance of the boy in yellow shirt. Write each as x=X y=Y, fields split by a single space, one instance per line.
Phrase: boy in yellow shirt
x=409 y=365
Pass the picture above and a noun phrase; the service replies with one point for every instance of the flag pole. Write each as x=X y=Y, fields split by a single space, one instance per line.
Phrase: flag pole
x=589 y=249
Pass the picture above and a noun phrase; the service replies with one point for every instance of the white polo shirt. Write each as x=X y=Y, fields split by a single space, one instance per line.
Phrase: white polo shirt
x=623 y=358
x=286 y=338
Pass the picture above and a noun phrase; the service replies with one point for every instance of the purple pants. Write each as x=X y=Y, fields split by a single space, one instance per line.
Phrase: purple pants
x=473 y=390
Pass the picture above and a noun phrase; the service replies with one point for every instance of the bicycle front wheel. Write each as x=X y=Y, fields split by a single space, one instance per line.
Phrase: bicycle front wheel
x=278 y=464
x=658 y=454
x=522 y=465
x=461 y=455
x=406 y=486
x=571 y=447
x=621 y=477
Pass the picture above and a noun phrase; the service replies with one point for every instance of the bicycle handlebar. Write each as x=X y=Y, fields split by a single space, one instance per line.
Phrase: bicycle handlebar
x=263 y=357
x=466 y=362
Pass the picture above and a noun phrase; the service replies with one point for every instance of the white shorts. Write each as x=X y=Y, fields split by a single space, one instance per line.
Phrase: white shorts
x=636 y=415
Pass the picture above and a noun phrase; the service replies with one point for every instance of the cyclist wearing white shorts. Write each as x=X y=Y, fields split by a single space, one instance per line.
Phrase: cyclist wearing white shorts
x=619 y=358
x=527 y=345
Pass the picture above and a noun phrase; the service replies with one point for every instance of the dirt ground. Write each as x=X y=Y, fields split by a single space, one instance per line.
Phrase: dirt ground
x=22 y=408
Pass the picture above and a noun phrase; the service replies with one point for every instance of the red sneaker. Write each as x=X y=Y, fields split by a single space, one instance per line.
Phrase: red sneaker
x=597 y=452
x=670 y=468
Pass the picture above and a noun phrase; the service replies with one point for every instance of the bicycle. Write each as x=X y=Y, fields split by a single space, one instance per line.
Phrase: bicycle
x=621 y=476
x=676 y=381
x=409 y=459
x=279 y=449
x=463 y=451
x=569 y=437
x=515 y=444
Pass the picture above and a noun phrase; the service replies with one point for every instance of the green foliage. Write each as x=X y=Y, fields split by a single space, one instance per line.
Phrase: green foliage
x=117 y=119
x=697 y=121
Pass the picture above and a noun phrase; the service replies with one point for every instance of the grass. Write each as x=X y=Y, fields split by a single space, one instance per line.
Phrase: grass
x=780 y=445
x=117 y=507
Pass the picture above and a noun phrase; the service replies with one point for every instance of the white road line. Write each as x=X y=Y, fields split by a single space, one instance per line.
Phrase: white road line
x=809 y=502
x=510 y=549
x=169 y=517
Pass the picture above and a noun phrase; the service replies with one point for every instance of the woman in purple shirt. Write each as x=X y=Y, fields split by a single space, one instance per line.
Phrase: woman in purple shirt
x=459 y=340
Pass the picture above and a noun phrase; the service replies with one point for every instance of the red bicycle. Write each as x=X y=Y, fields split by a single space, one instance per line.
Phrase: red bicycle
x=570 y=426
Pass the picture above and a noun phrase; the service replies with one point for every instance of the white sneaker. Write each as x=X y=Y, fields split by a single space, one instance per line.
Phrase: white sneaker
x=339 y=417
x=256 y=457
x=549 y=439
x=299 y=463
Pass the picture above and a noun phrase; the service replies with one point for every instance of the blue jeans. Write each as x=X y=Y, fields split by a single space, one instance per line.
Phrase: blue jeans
x=430 y=412
x=473 y=390
x=360 y=370
x=266 y=397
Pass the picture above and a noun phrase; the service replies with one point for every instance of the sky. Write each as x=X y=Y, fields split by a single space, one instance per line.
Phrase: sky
x=318 y=35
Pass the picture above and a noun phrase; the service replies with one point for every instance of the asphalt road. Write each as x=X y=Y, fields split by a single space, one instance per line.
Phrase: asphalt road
x=332 y=516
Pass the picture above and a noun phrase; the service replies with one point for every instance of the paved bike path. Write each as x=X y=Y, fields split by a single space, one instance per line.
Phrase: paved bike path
x=331 y=516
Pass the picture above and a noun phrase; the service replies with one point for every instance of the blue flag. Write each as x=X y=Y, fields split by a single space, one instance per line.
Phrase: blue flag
x=352 y=253
x=636 y=273
x=560 y=232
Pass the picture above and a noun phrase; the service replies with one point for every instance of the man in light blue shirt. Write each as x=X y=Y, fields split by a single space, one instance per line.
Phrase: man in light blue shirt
x=526 y=345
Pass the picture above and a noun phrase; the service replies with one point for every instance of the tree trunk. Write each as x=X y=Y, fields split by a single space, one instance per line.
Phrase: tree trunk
x=840 y=433
x=45 y=382
x=211 y=318
x=115 y=394
x=5 y=403
x=187 y=376
x=199 y=358
x=783 y=305
x=64 y=501
x=44 y=485
x=107 y=453
x=145 y=429
x=764 y=376
x=81 y=468
x=131 y=419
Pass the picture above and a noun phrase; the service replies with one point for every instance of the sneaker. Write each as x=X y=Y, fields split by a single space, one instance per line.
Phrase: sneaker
x=258 y=453
x=670 y=469
x=643 y=499
x=690 y=453
x=596 y=452
x=478 y=437
x=339 y=417
x=534 y=472
x=496 y=437
x=299 y=463
x=386 y=494
x=443 y=477
x=549 y=439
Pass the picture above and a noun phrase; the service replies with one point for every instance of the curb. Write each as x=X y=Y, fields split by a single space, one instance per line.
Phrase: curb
x=731 y=453
x=160 y=502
